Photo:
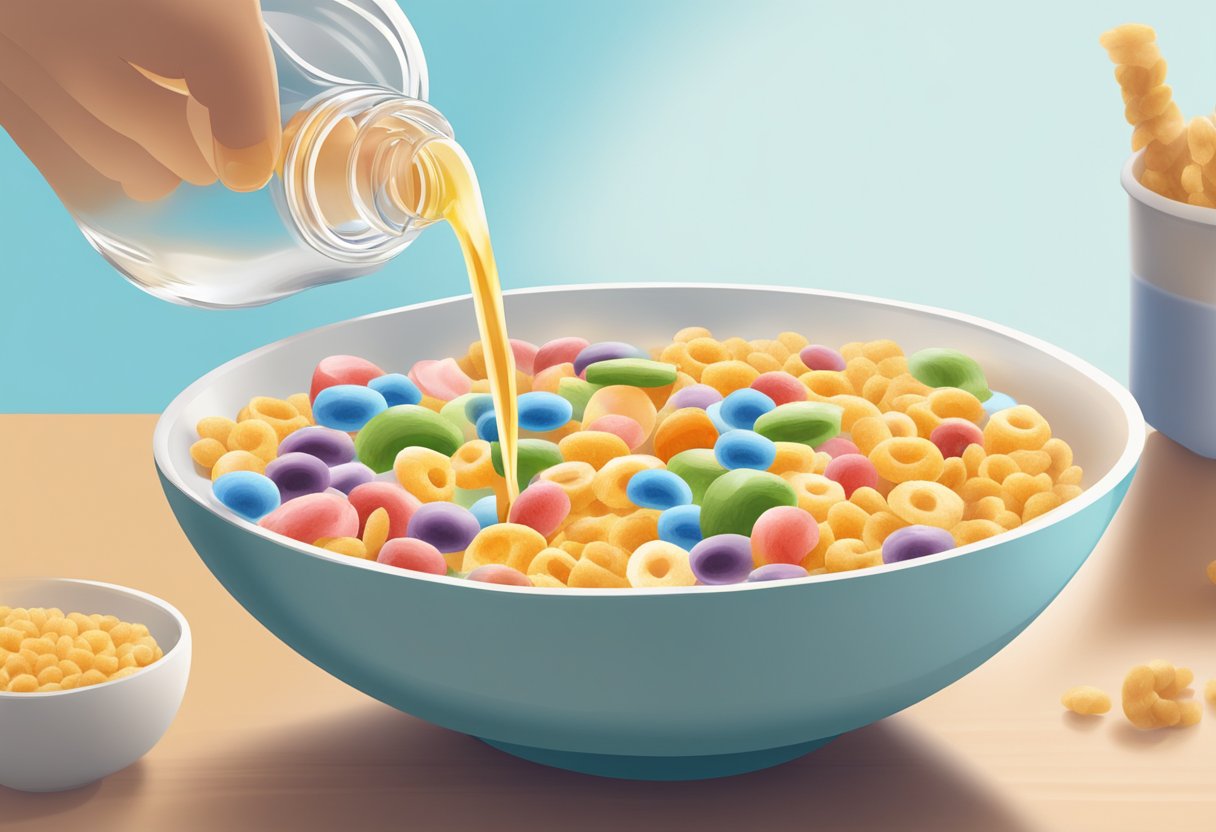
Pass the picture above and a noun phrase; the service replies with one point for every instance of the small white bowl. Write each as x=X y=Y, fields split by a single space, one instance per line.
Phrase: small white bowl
x=66 y=739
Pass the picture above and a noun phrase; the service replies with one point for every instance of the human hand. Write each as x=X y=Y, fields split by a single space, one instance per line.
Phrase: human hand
x=135 y=96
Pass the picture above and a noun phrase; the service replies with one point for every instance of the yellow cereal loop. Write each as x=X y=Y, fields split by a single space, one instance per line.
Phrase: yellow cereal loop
x=847 y=519
x=814 y=558
x=859 y=371
x=975 y=530
x=1086 y=700
x=918 y=502
x=793 y=341
x=303 y=406
x=350 y=546
x=978 y=488
x=998 y=467
x=763 y=362
x=985 y=508
x=705 y=351
x=425 y=473
x=375 y=532
x=900 y=424
x=1060 y=454
x=552 y=563
x=869 y=500
x=881 y=350
x=854 y=408
x=590 y=529
x=634 y=529
x=1031 y=462
x=868 y=431
x=575 y=478
x=1147 y=700
x=1039 y=504
x=1066 y=492
x=923 y=416
x=792 y=457
x=473 y=465
x=953 y=403
x=596 y=448
x=237 y=461
x=688 y=333
x=1015 y=429
x=256 y=436
x=206 y=452
x=954 y=474
x=973 y=456
x=816 y=493
x=659 y=563
x=280 y=414
x=728 y=376
x=850 y=554
x=900 y=459
x=1070 y=476
x=851 y=350
x=879 y=527
x=737 y=348
x=822 y=385
x=601 y=566
x=215 y=427
x=611 y=480
x=902 y=385
x=512 y=544
x=892 y=366
x=875 y=388
x=1018 y=488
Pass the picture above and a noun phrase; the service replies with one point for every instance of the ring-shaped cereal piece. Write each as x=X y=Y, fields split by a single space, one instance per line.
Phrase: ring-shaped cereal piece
x=921 y=503
x=280 y=414
x=683 y=430
x=849 y=554
x=728 y=376
x=1018 y=428
x=575 y=478
x=425 y=473
x=793 y=458
x=510 y=544
x=900 y=424
x=551 y=562
x=596 y=448
x=879 y=527
x=611 y=481
x=218 y=428
x=237 y=461
x=473 y=465
x=854 y=408
x=868 y=431
x=903 y=458
x=997 y=467
x=822 y=385
x=974 y=530
x=634 y=529
x=955 y=403
x=816 y=493
x=659 y=563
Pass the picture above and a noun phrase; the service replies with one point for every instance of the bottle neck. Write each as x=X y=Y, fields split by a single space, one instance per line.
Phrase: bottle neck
x=357 y=182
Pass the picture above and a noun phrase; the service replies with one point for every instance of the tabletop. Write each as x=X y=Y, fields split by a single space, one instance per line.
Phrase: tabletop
x=266 y=740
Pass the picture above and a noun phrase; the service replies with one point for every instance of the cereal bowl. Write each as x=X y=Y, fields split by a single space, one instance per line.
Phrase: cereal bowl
x=660 y=683
x=65 y=739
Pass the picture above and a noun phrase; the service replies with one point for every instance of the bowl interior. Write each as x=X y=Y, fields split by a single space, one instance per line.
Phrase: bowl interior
x=1098 y=417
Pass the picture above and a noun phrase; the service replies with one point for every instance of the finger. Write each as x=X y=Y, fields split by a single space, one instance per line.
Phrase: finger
x=227 y=64
x=113 y=155
x=77 y=183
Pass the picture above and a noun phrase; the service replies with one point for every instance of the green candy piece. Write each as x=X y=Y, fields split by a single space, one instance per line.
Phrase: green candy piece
x=941 y=367
x=465 y=497
x=635 y=372
x=578 y=393
x=404 y=426
x=698 y=467
x=735 y=500
x=534 y=456
x=454 y=412
x=811 y=423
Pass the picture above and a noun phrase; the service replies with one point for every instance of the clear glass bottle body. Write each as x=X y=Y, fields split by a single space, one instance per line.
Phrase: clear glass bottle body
x=352 y=89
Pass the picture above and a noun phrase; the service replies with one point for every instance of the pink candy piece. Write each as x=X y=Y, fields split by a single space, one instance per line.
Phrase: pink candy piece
x=342 y=369
x=399 y=503
x=780 y=386
x=542 y=506
x=497 y=573
x=525 y=355
x=441 y=379
x=819 y=357
x=313 y=516
x=784 y=534
x=852 y=471
x=413 y=554
x=838 y=446
x=558 y=351
x=953 y=436
x=623 y=426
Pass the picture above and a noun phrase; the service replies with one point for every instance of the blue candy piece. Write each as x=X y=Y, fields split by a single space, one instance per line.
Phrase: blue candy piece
x=744 y=449
x=487 y=426
x=998 y=401
x=657 y=488
x=485 y=510
x=540 y=411
x=477 y=406
x=347 y=407
x=396 y=389
x=681 y=525
x=246 y=493
x=714 y=412
x=743 y=407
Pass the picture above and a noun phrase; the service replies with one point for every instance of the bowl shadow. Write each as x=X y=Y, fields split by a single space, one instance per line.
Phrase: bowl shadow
x=110 y=799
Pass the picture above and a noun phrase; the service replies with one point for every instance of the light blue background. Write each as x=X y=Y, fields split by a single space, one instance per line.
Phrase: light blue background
x=959 y=154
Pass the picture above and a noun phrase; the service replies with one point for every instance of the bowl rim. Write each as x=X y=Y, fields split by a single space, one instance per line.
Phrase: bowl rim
x=1126 y=462
x=183 y=638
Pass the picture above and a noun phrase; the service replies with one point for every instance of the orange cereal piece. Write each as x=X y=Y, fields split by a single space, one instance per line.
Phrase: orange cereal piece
x=350 y=546
x=875 y=388
x=1016 y=428
x=900 y=459
x=688 y=333
x=737 y=348
x=375 y=532
x=973 y=455
x=849 y=554
x=611 y=480
x=601 y=565
x=621 y=400
x=302 y=404
x=822 y=385
x=868 y=431
x=705 y=351
x=591 y=528
x=256 y=436
x=880 y=350
x=926 y=504
x=900 y=424
x=921 y=413
x=814 y=558
x=879 y=527
x=859 y=371
x=1039 y=504
x=763 y=362
x=215 y=427
x=728 y=376
x=634 y=529
x=682 y=430
x=596 y=448
x=869 y=500
x=792 y=457
x=794 y=366
x=1060 y=454
x=548 y=379
x=207 y=451
x=816 y=493
x=552 y=562
x=892 y=366
x=280 y=414
x=237 y=461
x=575 y=478
x=854 y=408
x=972 y=531
x=954 y=474
x=847 y=519
x=473 y=465
x=792 y=341
x=511 y=544
x=1086 y=700
x=425 y=473
x=1032 y=462
x=998 y=467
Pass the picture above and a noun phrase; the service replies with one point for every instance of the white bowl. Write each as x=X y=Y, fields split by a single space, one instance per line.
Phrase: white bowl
x=65 y=739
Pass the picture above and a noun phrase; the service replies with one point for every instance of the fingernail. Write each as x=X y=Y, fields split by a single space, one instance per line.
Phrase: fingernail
x=245 y=168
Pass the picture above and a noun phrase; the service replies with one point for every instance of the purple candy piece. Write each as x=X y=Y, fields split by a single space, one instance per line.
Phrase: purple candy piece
x=722 y=559
x=603 y=351
x=695 y=395
x=446 y=526
x=776 y=572
x=915 y=542
x=819 y=357
x=333 y=447
x=346 y=476
x=297 y=474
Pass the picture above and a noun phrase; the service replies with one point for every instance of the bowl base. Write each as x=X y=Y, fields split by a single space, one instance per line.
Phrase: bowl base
x=624 y=767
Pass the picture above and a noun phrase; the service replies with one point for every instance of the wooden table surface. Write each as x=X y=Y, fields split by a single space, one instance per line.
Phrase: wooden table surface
x=265 y=740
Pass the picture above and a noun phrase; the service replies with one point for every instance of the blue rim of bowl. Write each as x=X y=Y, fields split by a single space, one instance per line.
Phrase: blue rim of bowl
x=182 y=624
x=1126 y=462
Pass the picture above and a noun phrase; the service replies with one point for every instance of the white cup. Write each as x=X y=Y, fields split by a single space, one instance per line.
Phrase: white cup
x=1173 y=340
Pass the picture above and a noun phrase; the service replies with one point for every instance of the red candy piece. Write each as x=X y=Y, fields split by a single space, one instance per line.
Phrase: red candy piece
x=623 y=426
x=558 y=351
x=525 y=355
x=313 y=516
x=780 y=386
x=838 y=446
x=399 y=503
x=852 y=471
x=953 y=436
x=542 y=506
x=784 y=534
x=342 y=369
x=413 y=554
x=441 y=379
x=497 y=573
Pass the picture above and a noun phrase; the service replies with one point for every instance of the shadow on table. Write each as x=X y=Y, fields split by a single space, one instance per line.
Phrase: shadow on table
x=111 y=800
x=376 y=767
